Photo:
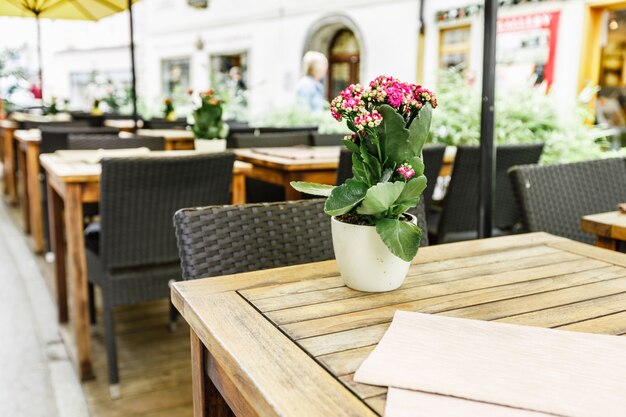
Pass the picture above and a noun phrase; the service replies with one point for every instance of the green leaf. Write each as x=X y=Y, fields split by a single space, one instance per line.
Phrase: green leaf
x=419 y=130
x=351 y=145
x=380 y=197
x=402 y=238
x=371 y=164
x=313 y=188
x=359 y=171
x=412 y=191
x=394 y=136
x=386 y=175
x=344 y=197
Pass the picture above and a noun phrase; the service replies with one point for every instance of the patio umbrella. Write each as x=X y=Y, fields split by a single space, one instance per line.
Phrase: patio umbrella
x=72 y=10
x=487 y=149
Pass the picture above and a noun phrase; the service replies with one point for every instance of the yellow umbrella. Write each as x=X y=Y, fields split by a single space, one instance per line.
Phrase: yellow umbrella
x=72 y=10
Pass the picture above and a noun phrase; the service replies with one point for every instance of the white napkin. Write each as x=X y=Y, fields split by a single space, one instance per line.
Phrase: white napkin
x=551 y=371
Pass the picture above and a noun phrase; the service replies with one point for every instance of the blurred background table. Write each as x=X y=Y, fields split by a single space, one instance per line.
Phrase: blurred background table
x=609 y=228
x=280 y=166
x=71 y=183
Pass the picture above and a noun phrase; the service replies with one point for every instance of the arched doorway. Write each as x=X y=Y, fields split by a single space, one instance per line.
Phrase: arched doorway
x=339 y=38
x=344 y=60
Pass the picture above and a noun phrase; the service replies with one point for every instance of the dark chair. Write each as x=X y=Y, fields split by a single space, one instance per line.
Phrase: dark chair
x=54 y=138
x=93 y=120
x=132 y=254
x=433 y=160
x=268 y=140
x=162 y=123
x=458 y=220
x=115 y=142
x=223 y=240
x=67 y=125
x=326 y=139
x=553 y=198
x=344 y=170
x=269 y=129
x=238 y=129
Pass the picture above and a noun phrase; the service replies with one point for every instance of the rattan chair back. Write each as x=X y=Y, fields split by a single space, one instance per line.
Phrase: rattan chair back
x=139 y=196
x=553 y=198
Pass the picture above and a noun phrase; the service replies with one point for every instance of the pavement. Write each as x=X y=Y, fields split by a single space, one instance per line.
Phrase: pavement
x=36 y=376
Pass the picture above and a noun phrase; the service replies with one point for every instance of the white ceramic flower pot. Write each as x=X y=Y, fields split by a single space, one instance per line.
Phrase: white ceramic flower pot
x=210 y=145
x=365 y=263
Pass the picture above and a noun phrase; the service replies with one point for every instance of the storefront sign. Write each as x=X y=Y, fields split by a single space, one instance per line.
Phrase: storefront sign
x=526 y=48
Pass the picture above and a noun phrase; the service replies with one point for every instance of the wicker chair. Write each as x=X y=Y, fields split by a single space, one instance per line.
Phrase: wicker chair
x=67 y=125
x=162 y=123
x=553 y=198
x=344 y=170
x=55 y=137
x=93 y=120
x=433 y=159
x=132 y=255
x=115 y=142
x=268 y=140
x=221 y=240
x=322 y=139
x=459 y=218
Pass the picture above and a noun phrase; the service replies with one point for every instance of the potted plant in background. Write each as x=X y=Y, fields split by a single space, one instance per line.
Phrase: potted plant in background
x=208 y=128
x=373 y=237
x=95 y=110
x=168 y=110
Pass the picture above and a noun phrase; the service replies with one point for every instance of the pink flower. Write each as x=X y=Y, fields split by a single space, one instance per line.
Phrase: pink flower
x=406 y=171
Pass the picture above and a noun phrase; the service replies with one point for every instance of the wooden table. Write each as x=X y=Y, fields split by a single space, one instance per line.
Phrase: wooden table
x=7 y=129
x=70 y=185
x=28 y=150
x=609 y=228
x=281 y=170
x=175 y=139
x=286 y=342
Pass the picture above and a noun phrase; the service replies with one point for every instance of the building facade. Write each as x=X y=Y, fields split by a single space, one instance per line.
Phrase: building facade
x=560 y=45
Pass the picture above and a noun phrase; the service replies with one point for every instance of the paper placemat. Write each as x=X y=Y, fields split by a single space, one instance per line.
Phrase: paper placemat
x=551 y=371
x=94 y=156
x=405 y=403
x=298 y=153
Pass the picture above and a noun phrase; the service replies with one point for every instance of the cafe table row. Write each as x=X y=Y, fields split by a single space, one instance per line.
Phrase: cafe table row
x=277 y=166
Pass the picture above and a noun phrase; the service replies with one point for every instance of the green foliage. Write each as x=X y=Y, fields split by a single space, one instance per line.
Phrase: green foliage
x=322 y=190
x=402 y=238
x=523 y=115
x=208 y=122
x=345 y=197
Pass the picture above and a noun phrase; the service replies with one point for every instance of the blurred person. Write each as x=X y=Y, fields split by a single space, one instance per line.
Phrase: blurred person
x=236 y=79
x=310 y=89
x=609 y=112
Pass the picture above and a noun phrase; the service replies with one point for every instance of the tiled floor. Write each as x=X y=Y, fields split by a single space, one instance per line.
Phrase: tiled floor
x=36 y=378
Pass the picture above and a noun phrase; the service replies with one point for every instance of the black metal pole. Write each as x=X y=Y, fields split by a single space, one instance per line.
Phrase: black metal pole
x=39 y=56
x=132 y=65
x=487 y=148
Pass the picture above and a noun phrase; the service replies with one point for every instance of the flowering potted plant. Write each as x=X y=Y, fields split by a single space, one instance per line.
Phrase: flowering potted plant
x=373 y=237
x=168 y=109
x=95 y=110
x=208 y=128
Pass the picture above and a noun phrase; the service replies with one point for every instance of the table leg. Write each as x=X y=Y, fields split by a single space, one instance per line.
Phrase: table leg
x=78 y=278
x=198 y=376
x=9 y=166
x=290 y=193
x=55 y=215
x=170 y=145
x=34 y=196
x=23 y=175
x=238 y=189
x=207 y=400
x=606 y=243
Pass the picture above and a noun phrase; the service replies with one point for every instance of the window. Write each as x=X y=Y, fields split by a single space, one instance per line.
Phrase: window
x=175 y=76
x=229 y=76
x=343 y=62
x=454 y=47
